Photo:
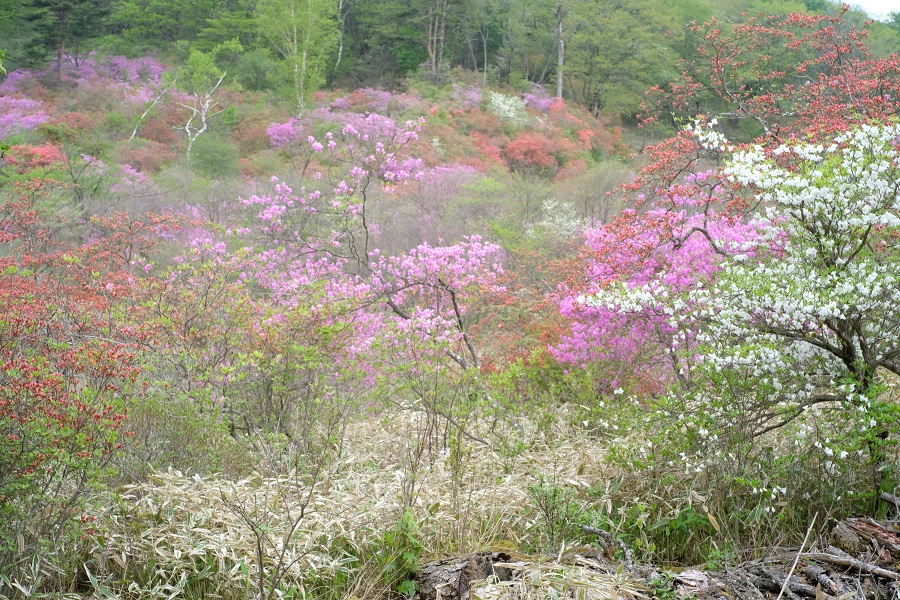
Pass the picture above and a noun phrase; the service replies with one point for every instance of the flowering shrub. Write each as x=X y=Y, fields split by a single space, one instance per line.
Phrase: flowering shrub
x=69 y=362
x=530 y=152
x=303 y=310
x=147 y=156
x=282 y=134
x=466 y=97
x=10 y=83
x=28 y=158
x=364 y=100
x=508 y=108
x=19 y=114
x=771 y=322
x=538 y=99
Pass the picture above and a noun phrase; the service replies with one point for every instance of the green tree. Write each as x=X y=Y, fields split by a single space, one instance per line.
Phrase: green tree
x=62 y=22
x=436 y=34
x=235 y=21
x=614 y=52
x=146 y=24
x=304 y=33
x=202 y=78
x=477 y=39
x=16 y=32
x=528 y=35
x=388 y=39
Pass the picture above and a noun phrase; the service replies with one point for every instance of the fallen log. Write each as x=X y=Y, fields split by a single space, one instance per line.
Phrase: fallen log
x=770 y=580
x=816 y=573
x=872 y=529
x=451 y=579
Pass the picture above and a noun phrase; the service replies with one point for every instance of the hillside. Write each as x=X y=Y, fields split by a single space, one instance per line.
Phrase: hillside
x=278 y=338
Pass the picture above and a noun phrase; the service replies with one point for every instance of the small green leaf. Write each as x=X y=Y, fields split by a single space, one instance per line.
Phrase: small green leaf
x=407 y=587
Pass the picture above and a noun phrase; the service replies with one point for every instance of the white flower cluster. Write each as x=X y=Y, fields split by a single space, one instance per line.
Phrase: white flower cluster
x=708 y=137
x=509 y=108
x=560 y=221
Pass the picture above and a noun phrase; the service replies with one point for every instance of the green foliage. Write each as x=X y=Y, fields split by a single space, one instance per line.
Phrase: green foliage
x=232 y=20
x=215 y=157
x=558 y=509
x=172 y=431
x=203 y=70
x=663 y=588
x=61 y=26
x=399 y=554
x=257 y=70
x=305 y=35
x=389 y=41
x=148 y=24
x=614 y=54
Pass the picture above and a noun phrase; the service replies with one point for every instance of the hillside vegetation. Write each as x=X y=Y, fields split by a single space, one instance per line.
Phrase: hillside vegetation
x=290 y=316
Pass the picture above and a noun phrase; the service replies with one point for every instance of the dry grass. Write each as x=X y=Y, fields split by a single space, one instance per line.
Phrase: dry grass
x=584 y=580
x=186 y=530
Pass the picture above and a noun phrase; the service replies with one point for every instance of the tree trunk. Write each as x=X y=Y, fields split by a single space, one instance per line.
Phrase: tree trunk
x=341 y=19
x=435 y=30
x=61 y=49
x=560 y=48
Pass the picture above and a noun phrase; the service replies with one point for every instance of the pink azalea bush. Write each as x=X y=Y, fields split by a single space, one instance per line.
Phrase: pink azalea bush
x=19 y=114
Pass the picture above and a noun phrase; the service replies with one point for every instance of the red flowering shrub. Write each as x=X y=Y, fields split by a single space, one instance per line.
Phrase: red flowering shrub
x=77 y=120
x=250 y=135
x=147 y=156
x=66 y=366
x=28 y=158
x=492 y=147
x=531 y=153
x=160 y=129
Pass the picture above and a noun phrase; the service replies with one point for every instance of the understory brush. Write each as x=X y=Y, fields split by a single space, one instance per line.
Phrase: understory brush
x=354 y=529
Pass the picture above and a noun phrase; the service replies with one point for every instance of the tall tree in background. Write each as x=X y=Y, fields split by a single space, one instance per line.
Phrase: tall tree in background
x=147 y=24
x=476 y=25
x=305 y=34
x=560 y=49
x=529 y=37
x=387 y=38
x=435 y=31
x=16 y=32
x=614 y=52
x=59 y=22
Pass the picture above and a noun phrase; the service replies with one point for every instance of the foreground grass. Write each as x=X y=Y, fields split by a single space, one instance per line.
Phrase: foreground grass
x=397 y=493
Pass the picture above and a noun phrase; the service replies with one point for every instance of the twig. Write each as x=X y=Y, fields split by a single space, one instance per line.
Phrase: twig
x=607 y=537
x=892 y=499
x=796 y=560
x=853 y=564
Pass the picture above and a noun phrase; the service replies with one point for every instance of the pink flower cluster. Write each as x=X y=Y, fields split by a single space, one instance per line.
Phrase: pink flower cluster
x=657 y=249
x=19 y=114
x=283 y=134
x=538 y=99
x=11 y=82
x=466 y=97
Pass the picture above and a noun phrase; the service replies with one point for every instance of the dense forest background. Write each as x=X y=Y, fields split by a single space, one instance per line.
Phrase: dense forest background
x=613 y=51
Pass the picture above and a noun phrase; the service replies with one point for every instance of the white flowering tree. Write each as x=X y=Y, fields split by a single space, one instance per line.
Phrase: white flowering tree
x=799 y=329
x=813 y=303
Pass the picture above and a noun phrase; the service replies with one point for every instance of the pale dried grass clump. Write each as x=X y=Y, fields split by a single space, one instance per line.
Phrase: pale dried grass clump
x=465 y=496
x=583 y=580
